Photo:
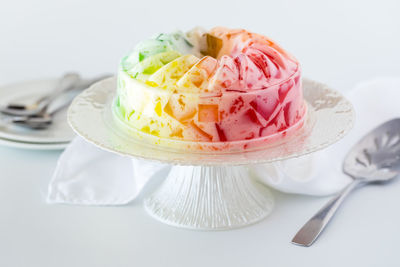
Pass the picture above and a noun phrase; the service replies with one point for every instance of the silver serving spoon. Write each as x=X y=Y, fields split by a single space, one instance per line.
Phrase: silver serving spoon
x=375 y=158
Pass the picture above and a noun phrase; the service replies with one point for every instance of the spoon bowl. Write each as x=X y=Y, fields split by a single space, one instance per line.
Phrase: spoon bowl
x=38 y=123
x=376 y=157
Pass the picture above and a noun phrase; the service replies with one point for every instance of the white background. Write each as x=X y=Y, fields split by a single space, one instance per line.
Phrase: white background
x=338 y=42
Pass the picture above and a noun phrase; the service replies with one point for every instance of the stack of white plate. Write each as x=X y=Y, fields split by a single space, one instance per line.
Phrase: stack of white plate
x=56 y=136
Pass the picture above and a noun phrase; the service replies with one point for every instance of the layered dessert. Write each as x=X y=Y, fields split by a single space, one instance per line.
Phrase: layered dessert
x=215 y=88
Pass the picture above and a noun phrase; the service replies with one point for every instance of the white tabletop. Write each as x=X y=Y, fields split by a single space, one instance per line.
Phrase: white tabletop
x=340 y=43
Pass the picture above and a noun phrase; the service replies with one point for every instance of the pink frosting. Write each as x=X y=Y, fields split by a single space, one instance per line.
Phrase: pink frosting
x=259 y=85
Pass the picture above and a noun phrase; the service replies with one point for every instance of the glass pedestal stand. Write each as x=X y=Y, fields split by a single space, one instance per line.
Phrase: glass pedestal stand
x=209 y=198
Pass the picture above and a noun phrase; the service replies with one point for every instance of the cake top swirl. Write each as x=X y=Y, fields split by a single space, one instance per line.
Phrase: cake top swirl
x=212 y=61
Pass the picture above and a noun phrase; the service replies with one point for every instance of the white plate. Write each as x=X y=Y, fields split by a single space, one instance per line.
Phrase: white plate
x=330 y=116
x=58 y=132
x=33 y=146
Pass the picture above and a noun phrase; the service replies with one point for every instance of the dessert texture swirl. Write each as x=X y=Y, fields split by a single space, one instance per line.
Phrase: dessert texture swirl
x=220 y=85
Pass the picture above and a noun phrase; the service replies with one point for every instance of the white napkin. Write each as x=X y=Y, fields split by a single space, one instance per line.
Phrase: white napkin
x=88 y=175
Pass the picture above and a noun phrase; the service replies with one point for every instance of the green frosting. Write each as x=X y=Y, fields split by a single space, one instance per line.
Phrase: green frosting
x=150 y=55
x=152 y=63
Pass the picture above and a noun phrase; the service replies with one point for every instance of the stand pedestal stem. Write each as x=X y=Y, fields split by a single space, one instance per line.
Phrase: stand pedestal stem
x=209 y=198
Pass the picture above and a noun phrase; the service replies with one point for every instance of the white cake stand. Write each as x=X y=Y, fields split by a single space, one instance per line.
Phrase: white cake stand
x=211 y=190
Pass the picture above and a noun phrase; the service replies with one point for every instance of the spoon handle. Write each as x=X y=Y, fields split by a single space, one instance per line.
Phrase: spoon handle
x=65 y=84
x=311 y=230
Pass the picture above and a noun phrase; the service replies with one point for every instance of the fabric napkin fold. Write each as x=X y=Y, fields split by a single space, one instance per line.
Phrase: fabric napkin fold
x=87 y=175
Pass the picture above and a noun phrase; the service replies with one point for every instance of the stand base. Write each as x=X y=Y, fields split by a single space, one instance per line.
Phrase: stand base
x=209 y=198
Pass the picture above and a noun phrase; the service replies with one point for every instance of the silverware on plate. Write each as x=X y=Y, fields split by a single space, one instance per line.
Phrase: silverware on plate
x=36 y=115
x=375 y=158
x=38 y=121
x=69 y=82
